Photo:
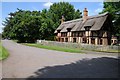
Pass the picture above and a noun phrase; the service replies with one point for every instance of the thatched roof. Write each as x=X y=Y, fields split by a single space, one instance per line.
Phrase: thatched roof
x=95 y=22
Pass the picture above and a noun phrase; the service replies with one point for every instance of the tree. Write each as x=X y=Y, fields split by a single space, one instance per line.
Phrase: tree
x=57 y=10
x=23 y=26
x=114 y=9
x=77 y=14
x=28 y=26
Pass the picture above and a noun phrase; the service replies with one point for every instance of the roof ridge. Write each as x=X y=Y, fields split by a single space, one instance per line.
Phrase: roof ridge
x=89 y=17
x=99 y=15
x=74 y=20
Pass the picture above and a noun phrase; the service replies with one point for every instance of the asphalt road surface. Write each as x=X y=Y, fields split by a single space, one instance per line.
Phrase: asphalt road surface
x=31 y=62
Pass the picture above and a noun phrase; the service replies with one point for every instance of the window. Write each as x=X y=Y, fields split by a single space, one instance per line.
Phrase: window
x=66 y=39
x=63 y=34
x=111 y=41
x=94 y=33
x=81 y=34
x=74 y=39
x=58 y=39
x=75 y=34
x=62 y=39
x=84 y=40
x=115 y=41
x=100 y=41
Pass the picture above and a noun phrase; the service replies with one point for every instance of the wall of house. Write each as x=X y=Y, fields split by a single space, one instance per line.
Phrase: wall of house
x=92 y=37
x=105 y=36
x=113 y=41
x=59 y=34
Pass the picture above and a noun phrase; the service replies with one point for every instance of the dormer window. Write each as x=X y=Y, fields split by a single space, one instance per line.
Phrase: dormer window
x=70 y=26
x=58 y=31
x=89 y=23
x=87 y=28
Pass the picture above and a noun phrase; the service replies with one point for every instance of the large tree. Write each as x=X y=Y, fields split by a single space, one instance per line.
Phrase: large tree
x=114 y=9
x=23 y=26
x=57 y=10
x=28 y=26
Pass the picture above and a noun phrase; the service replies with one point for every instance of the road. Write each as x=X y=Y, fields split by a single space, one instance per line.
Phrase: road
x=27 y=62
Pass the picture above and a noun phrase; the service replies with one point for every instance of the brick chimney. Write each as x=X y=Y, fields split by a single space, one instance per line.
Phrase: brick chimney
x=85 y=14
x=63 y=19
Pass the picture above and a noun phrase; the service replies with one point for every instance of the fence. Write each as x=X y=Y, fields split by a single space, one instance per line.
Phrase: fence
x=79 y=45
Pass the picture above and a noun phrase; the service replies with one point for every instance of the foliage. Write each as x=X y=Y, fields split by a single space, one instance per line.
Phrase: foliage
x=28 y=26
x=23 y=25
x=114 y=9
x=57 y=10
x=3 y=52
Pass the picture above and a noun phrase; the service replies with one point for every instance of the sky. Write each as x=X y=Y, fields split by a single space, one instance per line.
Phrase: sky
x=6 y=7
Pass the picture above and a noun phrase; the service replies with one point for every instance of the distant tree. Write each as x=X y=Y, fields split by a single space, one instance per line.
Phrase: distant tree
x=114 y=9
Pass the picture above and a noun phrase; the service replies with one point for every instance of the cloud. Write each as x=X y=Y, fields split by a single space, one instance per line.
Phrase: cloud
x=90 y=12
x=98 y=10
x=8 y=16
x=34 y=8
x=95 y=11
x=101 y=4
x=48 y=4
x=1 y=27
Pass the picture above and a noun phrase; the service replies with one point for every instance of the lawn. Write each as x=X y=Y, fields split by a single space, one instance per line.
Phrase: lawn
x=3 y=52
x=54 y=48
x=109 y=51
x=65 y=49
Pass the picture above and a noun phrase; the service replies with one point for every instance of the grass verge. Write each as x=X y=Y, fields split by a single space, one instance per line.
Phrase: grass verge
x=3 y=53
x=108 y=51
x=54 y=48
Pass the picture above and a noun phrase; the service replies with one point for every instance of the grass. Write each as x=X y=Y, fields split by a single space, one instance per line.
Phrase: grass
x=57 y=48
x=54 y=48
x=3 y=53
x=108 y=51
x=105 y=51
x=15 y=41
x=65 y=49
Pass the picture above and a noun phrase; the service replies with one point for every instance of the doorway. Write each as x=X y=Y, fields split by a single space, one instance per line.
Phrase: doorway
x=66 y=39
x=92 y=40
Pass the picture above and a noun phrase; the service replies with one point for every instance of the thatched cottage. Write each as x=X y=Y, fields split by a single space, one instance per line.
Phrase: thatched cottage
x=88 y=29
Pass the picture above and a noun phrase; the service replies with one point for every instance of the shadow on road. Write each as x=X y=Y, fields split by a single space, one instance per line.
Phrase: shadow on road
x=103 y=67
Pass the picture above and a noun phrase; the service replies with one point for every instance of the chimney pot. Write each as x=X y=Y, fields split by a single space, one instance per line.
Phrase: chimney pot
x=85 y=14
x=62 y=20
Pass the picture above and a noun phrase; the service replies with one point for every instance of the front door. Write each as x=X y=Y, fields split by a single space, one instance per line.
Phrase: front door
x=66 y=39
x=92 y=40
x=100 y=41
